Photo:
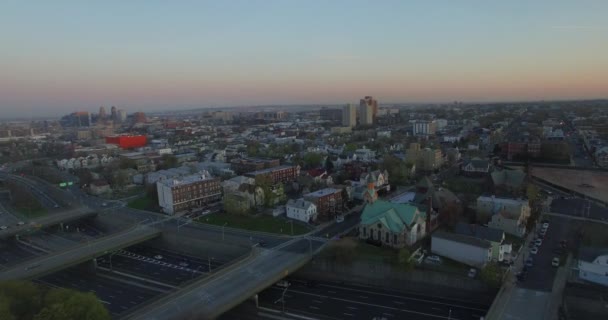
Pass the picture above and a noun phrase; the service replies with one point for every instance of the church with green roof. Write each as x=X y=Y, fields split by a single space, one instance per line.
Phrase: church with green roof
x=396 y=225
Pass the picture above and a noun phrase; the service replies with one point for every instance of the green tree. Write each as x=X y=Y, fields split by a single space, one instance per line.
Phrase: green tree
x=127 y=163
x=351 y=147
x=63 y=304
x=265 y=182
x=5 y=308
x=533 y=193
x=24 y=298
x=492 y=274
x=329 y=165
x=404 y=259
x=312 y=160
x=398 y=170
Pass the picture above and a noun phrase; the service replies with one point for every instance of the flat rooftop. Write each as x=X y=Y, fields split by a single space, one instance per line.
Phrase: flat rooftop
x=593 y=184
x=268 y=170
x=322 y=192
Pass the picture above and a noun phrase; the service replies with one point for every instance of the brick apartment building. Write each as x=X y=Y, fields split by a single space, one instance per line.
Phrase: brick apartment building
x=241 y=166
x=190 y=192
x=520 y=148
x=328 y=202
x=281 y=174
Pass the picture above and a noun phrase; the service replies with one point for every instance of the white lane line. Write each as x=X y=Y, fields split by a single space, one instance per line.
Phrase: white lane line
x=352 y=308
x=407 y=298
x=317 y=301
x=399 y=302
x=331 y=291
x=388 y=314
x=438 y=309
x=313 y=307
x=363 y=297
x=104 y=302
x=348 y=314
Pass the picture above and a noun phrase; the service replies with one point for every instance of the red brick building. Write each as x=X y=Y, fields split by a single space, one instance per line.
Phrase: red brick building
x=279 y=174
x=240 y=166
x=328 y=202
x=127 y=142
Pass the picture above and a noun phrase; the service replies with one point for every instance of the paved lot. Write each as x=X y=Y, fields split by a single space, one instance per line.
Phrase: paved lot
x=597 y=181
x=579 y=208
x=327 y=300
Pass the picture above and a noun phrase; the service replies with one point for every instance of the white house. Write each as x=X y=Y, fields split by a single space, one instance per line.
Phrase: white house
x=509 y=215
x=301 y=209
x=593 y=265
x=468 y=250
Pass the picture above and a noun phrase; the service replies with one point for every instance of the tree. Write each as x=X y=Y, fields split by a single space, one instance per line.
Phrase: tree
x=312 y=160
x=351 y=147
x=168 y=161
x=450 y=213
x=329 y=165
x=398 y=170
x=233 y=205
x=532 y=192
x=404 y=259
x=492 y=274
x=265 y=182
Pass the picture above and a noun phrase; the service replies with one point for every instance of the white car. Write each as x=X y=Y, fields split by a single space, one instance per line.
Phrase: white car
x=555 y=262
x=20 y=223
x=538 y=242
x=3 y=227
x=545 y=226
x=158 y=257
x=534 y=250
x=339 y=219
x=433 y=259
x=472 y=273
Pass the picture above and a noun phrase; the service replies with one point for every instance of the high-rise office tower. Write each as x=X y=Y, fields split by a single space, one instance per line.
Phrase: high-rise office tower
x=113 y=114
x=368 y=109
x=349 y=115
x=102 y=113
x=122 y=115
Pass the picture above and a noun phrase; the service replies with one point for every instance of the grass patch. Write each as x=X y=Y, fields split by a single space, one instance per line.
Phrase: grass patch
x=141 y=203
x=263 y=223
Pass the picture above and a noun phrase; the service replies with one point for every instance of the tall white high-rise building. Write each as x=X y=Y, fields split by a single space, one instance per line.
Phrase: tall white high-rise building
x=349 y=115
x=368 y=109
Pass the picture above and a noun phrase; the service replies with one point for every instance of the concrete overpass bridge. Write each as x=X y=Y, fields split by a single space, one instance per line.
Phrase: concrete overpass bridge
x=47 y=221
x=85 y=252
x=209 y=297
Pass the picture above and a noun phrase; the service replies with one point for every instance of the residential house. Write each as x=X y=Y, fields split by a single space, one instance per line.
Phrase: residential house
x=302 y=210
x=476 y=167
x=500 y=249
x=593 y=265
x=509 y=180
x=393 y=224
x=469 y=250
x=99 y=187
x=375 y=180
x=509 y=215
x=427 y=159
x=328 y=202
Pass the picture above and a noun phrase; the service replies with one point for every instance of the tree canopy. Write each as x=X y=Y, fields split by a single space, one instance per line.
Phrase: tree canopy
x=27 y=301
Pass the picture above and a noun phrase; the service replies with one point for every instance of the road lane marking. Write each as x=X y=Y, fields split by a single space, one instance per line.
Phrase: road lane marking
x=352 y=308
x=331 y=291
x=313 y=307
x=388 y=314
x=399 y=302
x=317 y=301
x=348 y=314
x=363 y=297
x=410 y=298
x=104 y=302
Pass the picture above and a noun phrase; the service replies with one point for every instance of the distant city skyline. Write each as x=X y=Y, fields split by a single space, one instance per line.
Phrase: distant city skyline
x=64 y=56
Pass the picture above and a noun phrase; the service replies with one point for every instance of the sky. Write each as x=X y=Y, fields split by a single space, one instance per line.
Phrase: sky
x=61 y=56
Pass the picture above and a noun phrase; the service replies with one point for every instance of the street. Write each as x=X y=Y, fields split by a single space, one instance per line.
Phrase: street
x=328 y=300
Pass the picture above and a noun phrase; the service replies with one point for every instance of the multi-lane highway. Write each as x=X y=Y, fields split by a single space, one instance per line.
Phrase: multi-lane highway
x=332 y=301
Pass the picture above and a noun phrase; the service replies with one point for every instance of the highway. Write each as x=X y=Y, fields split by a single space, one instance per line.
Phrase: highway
x=331 y=301
x=60 y=260
x=48 y=220
x=210 y=297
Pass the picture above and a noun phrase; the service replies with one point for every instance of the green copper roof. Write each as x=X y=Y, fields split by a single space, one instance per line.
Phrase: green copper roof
x=394 y=216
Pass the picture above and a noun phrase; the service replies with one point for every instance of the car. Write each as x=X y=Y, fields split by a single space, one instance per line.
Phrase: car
x=529 y=262
x=20 y=223
x=339 y=219
x=545 y=225
x=542 y=233
x=3 y=227
x=555 y=262
x=158 y=257
x=472 y=273
x=538 y=242
x=433 y=259
x=183 y=264
x=534 y=250
x=283 y=284
x=105 y=204
x=56 y=206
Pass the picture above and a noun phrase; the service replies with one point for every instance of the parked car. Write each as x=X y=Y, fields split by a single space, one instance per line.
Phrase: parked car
x=555 y=262
x=538 y=242
x=534 y=250
x=339 y=219
x=283 y=284
x=158 y=257
x=104 y=204
x=472 y=273
x=529 y=262
x=20 y=223
x=433 y=259
x=3 y=227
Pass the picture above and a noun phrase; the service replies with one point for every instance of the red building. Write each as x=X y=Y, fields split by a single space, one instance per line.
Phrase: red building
x=281 y=174
x=127 y=142
x=328 y=202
